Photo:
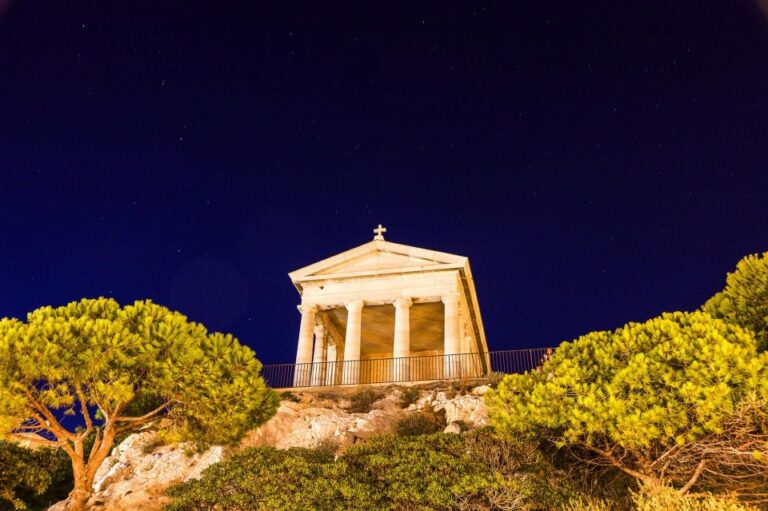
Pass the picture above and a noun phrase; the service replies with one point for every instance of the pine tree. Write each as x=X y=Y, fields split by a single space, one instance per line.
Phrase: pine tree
x=638 y=397
x=744 y=301
x=121 y=369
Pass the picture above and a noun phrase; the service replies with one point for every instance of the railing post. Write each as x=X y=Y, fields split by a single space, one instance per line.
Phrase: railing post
x=330 y=368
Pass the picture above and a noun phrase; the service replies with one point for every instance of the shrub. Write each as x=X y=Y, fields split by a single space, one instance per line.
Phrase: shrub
x=267 y=478
x=31 y=478
x=362 y=401
x=462 y=425
x=494 y=378
x=420 y=423
x=666 y=499
x=429 y=473
x=289 y=396
x=631 y=396
x=530 y=479
x=586 y=503
x=409 y=396
x=329 y=446
x=744 y=301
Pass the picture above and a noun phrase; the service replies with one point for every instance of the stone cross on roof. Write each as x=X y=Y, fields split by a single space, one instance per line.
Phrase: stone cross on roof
x=379 y=232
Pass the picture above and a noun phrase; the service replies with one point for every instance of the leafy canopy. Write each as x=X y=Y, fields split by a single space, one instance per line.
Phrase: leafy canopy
x=130 y=365
x=633 y=394
x=744 y=301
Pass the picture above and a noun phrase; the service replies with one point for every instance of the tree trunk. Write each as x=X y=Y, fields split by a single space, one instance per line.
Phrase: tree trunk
x=84 y=474
x=78 y=498
x=83 y=488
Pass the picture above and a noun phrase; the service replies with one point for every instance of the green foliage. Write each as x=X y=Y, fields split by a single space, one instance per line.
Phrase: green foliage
x=424 y=472
x=267 y=479
x=29 y=478
x=409 y=396
x=134 y=359
x=419 y=423
x=587 y=503
x=659 y=499
x=744 y=301
x=362 y=400
x=462 y=425
x=494 y=378
x=666 y=499
x=634 y=393
x=429 y=473
x=289 y=396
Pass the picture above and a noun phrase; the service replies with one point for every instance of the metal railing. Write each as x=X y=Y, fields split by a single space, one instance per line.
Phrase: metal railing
x=405 y=369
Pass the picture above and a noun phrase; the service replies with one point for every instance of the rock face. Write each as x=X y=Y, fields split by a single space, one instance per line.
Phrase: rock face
x=137 y=472
x=467 y=408
x=309 y=424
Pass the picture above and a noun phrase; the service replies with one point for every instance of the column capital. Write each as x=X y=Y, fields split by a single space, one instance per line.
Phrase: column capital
x=307 y=307
x=403 y=302
x=452 y=299
x=354 y=306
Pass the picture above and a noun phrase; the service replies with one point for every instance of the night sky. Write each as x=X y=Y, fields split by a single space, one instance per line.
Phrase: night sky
x=599 y=162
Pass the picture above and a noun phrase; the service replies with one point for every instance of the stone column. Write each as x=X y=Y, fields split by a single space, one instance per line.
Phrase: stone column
x=402 y=346
x=351 y=369
x=452 y=344
x=303 y=370
x=464 y=358
x=330 y=370
x=318 y=359
x=471 y=361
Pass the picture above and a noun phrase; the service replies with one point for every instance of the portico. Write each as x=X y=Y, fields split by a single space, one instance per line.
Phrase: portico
x=388 y=312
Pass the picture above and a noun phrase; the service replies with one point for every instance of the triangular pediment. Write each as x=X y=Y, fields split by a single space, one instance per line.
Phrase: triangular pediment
x=377 y=261
x=377 y=257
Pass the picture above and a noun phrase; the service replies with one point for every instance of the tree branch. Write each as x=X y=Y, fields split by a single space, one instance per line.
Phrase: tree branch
x=84 y=411
x=144 y=418
x=621 y=466
x=695 y=477
x=39 y=439
x=50 y=422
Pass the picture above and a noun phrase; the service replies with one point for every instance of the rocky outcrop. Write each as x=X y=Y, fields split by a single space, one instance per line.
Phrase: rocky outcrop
x=139 y=470
x=137 y=473
x=312 y=422
x=466 y=409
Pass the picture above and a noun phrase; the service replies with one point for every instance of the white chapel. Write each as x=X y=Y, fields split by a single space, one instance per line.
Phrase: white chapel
x=386 y=312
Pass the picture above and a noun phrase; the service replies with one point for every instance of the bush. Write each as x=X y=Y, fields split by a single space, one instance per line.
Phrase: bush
x=429 y=473
x=329 y=446
x=266 y=478
x=289 y=396
x=462 y=425
x=409 y=396
x=31 y=479
x=363 y=400
x=494 y=378
x=588 y=504
x=666 y=499
x=420 y=423
x=631 y=396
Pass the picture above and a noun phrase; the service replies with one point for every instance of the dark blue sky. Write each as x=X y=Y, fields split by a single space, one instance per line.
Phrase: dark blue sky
x=598 y=162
